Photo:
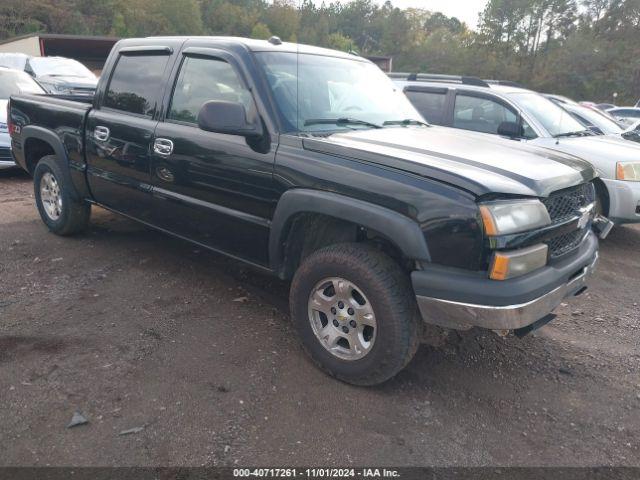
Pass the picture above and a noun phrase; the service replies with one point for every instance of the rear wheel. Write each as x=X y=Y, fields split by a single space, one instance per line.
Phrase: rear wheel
x=61 y=213
x=355 y=313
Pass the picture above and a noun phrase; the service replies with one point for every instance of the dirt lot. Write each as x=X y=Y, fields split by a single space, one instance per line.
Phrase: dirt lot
x=136 y=329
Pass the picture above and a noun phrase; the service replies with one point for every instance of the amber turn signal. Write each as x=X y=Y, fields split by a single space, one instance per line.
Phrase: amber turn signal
x=515 y=263
x=500 y=268
x=487 y=219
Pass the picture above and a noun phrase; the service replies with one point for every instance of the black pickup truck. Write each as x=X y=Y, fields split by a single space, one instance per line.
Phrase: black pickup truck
x=309 y=164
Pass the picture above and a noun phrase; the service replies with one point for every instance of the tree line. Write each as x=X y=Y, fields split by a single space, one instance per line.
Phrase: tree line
x=585 y=49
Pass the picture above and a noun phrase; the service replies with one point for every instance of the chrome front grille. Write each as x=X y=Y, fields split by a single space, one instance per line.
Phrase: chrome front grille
x=565 y=243
x=563 y=205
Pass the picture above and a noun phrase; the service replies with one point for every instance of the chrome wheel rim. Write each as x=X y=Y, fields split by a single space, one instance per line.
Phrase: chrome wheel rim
x=342 y=318
x=50 y=196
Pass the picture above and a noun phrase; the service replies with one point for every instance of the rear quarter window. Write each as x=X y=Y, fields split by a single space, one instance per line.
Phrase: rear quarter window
x=429 y=104
x=136 y=84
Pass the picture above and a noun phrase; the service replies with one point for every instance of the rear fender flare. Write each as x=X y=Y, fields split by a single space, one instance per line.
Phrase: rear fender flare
x=62 y=159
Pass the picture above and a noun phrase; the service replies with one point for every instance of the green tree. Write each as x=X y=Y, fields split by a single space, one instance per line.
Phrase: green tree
x=282 y=19
x=183 y=17
x=260 y=31
x=337 y=41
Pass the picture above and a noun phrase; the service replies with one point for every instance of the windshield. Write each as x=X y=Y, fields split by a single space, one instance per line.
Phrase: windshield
x=596 y=119
x=322 y=93
x=553 y=118
x=13 y=82
x=57 y=66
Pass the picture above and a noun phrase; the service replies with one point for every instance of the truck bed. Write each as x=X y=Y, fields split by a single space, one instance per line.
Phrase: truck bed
x=51 y=115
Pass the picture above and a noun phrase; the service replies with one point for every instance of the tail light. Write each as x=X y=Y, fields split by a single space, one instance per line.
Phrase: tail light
x=12 y=127
x=9 y=124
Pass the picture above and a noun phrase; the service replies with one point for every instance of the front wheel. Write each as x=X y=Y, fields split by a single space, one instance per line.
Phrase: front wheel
x=355 y=313
x=58 y=210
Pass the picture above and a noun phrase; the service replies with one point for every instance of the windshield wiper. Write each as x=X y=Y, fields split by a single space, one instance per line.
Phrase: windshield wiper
x=579 y=133
x=407 y=121
x=339 y=121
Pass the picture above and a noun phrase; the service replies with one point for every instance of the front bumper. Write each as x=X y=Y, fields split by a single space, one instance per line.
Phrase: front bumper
x=462 y=300
x=7 y=164
x=624 y=201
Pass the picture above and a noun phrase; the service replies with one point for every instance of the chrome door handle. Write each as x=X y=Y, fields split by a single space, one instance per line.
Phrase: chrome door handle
x=163 y=147
x=101 y=133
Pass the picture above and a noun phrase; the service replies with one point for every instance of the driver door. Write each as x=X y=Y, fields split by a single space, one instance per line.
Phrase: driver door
x=214 y=188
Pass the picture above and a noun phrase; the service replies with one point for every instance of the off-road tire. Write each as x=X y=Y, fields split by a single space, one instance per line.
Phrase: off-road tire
x=74 y=215
x=389 y=290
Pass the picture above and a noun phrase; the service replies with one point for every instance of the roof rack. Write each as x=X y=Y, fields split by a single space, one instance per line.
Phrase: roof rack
x=506 y=83
x=433 y=77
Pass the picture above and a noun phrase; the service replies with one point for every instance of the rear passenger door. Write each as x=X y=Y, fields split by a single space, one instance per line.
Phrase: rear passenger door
x=120 y=128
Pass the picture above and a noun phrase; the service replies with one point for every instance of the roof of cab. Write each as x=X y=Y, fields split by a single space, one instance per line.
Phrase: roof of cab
x=257 y=45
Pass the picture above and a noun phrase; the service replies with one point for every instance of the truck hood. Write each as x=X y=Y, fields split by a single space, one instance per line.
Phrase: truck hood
x=478 y=163
x=602 y=151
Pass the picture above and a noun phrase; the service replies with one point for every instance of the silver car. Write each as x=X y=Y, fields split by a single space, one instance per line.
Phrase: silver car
x=596 y=120
x=627 y=115
x=11 y=82
x=57 y=75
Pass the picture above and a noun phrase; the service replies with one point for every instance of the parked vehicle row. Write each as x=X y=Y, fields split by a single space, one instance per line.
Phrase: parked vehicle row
x=528 y=117
x=57 y=75
x=310 y=164
x=598 y=121
x=626 y=115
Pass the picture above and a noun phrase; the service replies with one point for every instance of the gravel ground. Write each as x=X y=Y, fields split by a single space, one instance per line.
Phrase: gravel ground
x=196 y=353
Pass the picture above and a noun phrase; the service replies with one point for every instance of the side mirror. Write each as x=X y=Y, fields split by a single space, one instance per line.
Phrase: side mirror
x=511 y=130
x=230 y=118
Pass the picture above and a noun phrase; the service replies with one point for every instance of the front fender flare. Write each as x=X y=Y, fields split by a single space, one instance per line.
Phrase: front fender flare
x=404 y=232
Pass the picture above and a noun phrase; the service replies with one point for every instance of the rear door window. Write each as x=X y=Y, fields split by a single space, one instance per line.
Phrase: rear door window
x=481 y=114
x=430 y=104
x=136 y=84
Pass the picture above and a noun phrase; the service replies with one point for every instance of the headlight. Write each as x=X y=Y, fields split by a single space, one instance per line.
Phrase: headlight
x=628 y=171
x=504 y=217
